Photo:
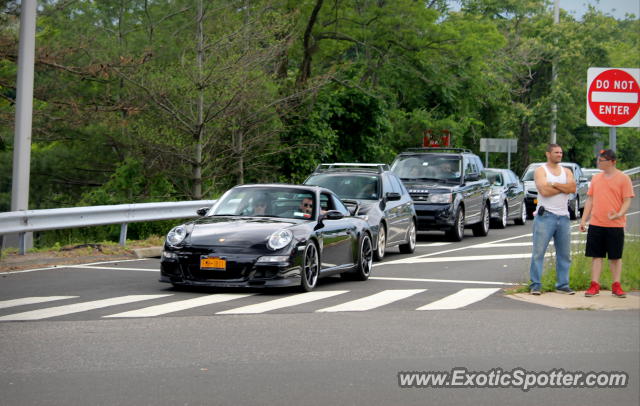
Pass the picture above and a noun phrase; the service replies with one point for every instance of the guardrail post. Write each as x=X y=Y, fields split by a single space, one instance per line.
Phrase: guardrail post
x=123 y=234
x=22 y=243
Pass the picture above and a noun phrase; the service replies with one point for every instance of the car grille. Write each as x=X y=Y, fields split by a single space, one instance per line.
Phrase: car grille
x=237 y=268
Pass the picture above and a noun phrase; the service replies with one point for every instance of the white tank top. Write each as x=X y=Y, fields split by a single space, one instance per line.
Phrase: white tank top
x=556 y=204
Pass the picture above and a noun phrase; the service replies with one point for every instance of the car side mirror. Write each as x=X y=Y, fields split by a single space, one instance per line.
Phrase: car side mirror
x=472 y=177
x=391 y=196
x=583 y=179
x=333 y=215
x=202 y=211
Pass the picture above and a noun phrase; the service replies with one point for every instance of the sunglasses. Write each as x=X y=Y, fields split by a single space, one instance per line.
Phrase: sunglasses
x=307 y=204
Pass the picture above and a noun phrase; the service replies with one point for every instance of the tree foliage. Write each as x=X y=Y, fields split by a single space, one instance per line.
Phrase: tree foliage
x=143 y=100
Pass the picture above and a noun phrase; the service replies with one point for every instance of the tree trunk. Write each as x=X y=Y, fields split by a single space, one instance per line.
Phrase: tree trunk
x=307 y=43
x=199 y=134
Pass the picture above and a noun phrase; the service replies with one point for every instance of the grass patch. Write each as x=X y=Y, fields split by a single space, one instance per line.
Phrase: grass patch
x=580 y=270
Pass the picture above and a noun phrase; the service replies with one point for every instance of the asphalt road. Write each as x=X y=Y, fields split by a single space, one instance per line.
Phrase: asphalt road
x=111 y=334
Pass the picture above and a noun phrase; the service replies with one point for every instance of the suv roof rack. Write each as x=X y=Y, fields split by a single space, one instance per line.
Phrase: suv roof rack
x=439 y=149
x=379 y=168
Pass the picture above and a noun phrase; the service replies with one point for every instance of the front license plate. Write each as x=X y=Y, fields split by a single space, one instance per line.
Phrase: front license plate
x=535 y=201
x=213 y=263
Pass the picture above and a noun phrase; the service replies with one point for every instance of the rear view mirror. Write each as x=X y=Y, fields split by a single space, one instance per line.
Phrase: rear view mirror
x=393 y=196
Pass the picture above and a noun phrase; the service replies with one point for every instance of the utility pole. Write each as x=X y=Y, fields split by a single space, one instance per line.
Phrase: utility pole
x=554 y=78
x=24 y=111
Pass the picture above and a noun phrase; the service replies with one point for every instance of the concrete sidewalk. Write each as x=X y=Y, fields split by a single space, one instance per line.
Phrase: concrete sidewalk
x=605 y=301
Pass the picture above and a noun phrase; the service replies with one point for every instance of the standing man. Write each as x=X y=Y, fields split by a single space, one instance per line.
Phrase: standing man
x=609 y=199
x=554 y=183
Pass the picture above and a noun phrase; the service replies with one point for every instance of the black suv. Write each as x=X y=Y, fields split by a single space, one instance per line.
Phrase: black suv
x=449 y=189
x=377 y=195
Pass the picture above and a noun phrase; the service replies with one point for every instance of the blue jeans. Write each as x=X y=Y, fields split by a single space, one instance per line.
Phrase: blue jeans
x=544 y=227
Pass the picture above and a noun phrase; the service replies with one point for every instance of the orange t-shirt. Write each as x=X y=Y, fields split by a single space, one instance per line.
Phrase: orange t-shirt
x=607 y=195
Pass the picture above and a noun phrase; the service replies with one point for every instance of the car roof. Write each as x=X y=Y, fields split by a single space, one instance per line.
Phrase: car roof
x=352 y=167
x=434 y=150
x=308 y=188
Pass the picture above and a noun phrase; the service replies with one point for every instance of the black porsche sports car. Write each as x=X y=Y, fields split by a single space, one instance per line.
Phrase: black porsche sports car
x=268 y=236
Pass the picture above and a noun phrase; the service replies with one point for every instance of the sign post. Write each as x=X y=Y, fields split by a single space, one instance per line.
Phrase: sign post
x=613 y=99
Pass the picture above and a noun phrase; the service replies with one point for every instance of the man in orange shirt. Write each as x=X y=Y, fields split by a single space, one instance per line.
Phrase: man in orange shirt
x=609 y=199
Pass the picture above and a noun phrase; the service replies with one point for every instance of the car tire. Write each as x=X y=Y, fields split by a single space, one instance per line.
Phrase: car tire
x=365 y=259
x=523 y=216
x=382 y=243
x=504 y=216
x=310 y=268
x=574 y=212
x=410 y=245
x=456 y=233
x=481 y=229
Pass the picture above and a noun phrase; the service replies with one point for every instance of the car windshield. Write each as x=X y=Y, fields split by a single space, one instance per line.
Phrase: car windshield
x=348 y=186
x=494 y=177
x=266 y=202
x=427 y=167
x=528 y=175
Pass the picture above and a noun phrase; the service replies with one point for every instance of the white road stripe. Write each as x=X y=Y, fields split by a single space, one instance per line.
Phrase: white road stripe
x=422 y=260
x=460 y=299
x=31 y=300
x=298 y=299
x=180 y=305
x=77 y=307
x=433 y=244
x=114 y=268
x=518 y=244
x=389 y=278
x=373 y=301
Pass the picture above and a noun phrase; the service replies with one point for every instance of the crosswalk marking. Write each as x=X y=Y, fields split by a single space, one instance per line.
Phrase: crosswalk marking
x=460 y=299
x=371 y=302
x=31 y=300
x=300 y=298
x=77 y=307
x=180 y=305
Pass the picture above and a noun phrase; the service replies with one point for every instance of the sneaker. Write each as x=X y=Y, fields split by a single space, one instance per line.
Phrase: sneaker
x=616 y=290
x=594 y=289
x=535 y=292
x=566 y=291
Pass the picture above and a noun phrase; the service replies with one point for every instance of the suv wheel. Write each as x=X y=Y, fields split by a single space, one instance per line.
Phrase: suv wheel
x=378 y=254
x=456 y=233
x=574 y=213
x=523 y=215
x=481 y=229
x=410 y=246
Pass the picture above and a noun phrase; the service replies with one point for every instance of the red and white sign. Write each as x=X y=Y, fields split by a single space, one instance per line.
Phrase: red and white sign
x=613 y=97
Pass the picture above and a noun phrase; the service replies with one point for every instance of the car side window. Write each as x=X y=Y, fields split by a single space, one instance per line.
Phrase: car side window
x=338 y=205
x=478 y=164
x=395 y=185
x=386 y=186
x=326 y=203
x=403 y=190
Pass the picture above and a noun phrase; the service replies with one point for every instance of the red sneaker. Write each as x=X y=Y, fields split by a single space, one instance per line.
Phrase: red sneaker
x=594 y=289
x=616 y=290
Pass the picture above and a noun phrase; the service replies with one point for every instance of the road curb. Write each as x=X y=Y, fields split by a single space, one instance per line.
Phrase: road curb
x=605 y=301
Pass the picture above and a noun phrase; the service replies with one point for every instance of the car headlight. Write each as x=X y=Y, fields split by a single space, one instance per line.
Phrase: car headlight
x=176 y=235
x=494 y=198
x=279 y=239
x=439 y=198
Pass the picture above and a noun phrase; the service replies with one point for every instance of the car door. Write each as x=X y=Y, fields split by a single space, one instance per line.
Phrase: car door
x=582 y=185
x=471 y=191
x=337 y=235
x=514 y=193
x=401 y=209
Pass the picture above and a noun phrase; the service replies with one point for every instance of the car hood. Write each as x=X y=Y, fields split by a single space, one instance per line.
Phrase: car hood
x=365 y=205
x=236 y=231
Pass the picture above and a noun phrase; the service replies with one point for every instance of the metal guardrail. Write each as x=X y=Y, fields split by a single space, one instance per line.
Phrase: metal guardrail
x=25 y=221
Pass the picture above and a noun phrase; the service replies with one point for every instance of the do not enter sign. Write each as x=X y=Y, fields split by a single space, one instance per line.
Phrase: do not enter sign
x=613 y=97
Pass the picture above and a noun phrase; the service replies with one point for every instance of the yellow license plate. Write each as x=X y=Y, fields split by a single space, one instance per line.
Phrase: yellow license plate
x=535 y=201
x=213 y=263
